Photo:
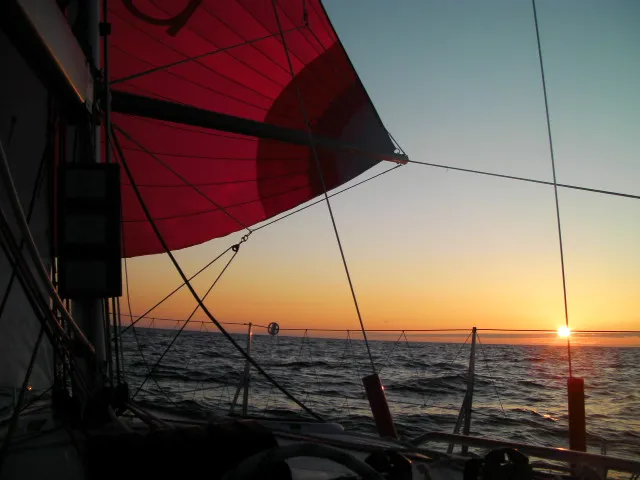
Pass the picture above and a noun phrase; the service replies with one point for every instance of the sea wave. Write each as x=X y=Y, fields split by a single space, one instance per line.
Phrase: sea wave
x=424 y=386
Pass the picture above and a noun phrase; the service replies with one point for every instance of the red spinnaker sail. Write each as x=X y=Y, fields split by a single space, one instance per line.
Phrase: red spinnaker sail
x=227 y=56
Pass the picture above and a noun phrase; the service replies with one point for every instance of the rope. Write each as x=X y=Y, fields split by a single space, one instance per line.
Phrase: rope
x=135 y=334
x=32 y=203
x=116 y=339
x=41 y=273
x=524 y=179
x=106 y=325
x=195 y=294
x=490 y=374
x=55 y=332
x=173 y=340
x=16 y=412
x=322 y=181
x=555 y=186
x=140 y=317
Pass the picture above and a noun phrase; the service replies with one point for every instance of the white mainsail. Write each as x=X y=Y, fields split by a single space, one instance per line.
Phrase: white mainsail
x=23 y=129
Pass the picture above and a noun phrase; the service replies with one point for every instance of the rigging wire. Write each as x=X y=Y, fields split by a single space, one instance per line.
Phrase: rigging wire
x=194 y=83
x=314 y=151
x=164 y=164
x=32 y=292
x=322 y=199
x=426 y=404
x=198 y=57
x=204 y=308
x=387 y=357
x=32 y=203
x=206 y=38
x=116 y=338
x=140 y=317
x=106 y=325
x=135 y=334
x=484 y=355
x=118 y=316
x=524 y=179
x=40 y=271
x=16 y=412
x=173 y=340
x=555 y=186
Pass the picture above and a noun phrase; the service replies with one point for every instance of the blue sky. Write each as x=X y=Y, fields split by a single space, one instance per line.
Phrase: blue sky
x=458 y=83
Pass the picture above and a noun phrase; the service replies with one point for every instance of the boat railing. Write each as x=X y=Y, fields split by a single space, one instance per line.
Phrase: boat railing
x=559 y=454
x=250 y=395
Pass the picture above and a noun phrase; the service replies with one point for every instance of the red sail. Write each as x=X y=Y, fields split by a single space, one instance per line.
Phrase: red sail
x=227 y=56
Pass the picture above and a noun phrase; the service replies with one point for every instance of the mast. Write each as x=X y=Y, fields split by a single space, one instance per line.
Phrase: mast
x=87 y=310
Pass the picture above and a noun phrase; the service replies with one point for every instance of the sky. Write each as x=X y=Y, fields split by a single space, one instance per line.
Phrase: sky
x=458 y=83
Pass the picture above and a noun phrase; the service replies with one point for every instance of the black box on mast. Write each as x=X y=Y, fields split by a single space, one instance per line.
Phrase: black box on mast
x=89 y=231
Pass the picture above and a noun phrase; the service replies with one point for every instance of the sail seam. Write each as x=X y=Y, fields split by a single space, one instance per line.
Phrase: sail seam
x=206 y=67
x=205 y=196
x=195 y=58
x=202 y=86
x=204 y=212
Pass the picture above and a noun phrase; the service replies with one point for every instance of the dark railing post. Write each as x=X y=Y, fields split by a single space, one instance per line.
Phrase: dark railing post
x=379 y=406
x=577 y=424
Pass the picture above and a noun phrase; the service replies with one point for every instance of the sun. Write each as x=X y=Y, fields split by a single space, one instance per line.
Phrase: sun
x=564 y=331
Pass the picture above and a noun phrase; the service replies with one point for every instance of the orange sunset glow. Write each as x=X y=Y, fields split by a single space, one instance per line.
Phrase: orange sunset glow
x=432 y=248
x=457 y=283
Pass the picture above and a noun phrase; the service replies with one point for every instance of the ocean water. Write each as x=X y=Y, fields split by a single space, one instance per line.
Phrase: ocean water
x=519 y=394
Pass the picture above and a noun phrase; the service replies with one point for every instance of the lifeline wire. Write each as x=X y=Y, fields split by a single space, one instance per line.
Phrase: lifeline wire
x=140 y=317
x=555 y=185
x=490 y=375
x=173 y=340
x=195 y=295
x=324 y=186
x=135 y=334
